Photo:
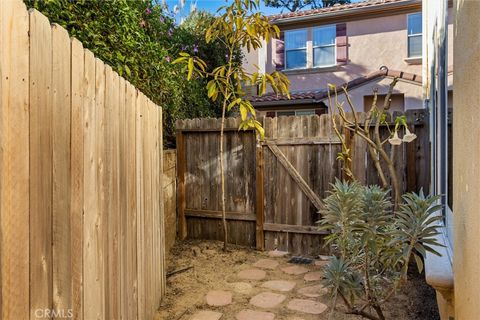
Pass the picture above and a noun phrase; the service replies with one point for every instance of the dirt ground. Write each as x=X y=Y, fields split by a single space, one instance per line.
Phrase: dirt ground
x=213 y=269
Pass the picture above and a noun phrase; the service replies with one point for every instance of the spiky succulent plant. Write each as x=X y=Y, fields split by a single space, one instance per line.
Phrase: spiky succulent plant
x=372 y=245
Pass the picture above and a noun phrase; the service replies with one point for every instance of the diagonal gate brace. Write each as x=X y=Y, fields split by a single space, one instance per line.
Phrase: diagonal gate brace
x=311 y=195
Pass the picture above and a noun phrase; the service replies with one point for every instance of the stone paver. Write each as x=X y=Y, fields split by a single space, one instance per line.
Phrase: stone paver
x=306 y=306
x=252 y=274
x=254 y=315
x=313 y=276
x=266 y=264
x=241 y=287
x=321 y=263
x=267 y=300
x=219 y=298
x=313 y=291
x=277 y=254
x=279 y=285
x=206 y=315
x=295 y=270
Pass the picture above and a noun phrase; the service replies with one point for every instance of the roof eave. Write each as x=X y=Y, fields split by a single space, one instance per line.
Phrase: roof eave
x=283 y=102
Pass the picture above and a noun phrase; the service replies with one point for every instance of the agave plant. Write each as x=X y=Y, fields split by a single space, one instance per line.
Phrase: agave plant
x=373 y=246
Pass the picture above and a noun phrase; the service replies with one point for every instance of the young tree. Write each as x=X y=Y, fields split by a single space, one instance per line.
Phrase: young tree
x=239 y=25
x=362 y=126
x=295 y=5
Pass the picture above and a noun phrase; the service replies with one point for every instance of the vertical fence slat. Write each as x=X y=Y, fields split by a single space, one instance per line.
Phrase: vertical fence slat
x=147 y=165
x=76 y=215
x=14 y=161
x=156 y=207
x=92 y=264
x=111 y=171
x=140 y=205
x=162 y=246
x=122 y=132
x=40 y=163
x=131 y=236
x=181 y=187
x=61 y=68
x=102 y=222
x=259 y=198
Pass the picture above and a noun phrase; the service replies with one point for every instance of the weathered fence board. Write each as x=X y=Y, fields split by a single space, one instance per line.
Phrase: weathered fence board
x=81 y=210
x=274 y=187
x=131 y=199
x=14 y=161
x=77 y=168
x=62 y=255
x=170 y=197
x=41 y=161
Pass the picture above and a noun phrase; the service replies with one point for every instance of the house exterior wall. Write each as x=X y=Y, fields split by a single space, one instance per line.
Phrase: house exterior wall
x=466 y=151
x=372 y=43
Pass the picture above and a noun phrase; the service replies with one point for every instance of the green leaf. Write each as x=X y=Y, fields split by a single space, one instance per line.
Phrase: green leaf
x=178 y=60
x=190 y=68
x=419 y=262
x=243 y=112
x=212 y=89
x=233 y=103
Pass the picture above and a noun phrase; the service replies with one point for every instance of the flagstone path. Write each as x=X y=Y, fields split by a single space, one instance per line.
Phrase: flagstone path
x=272 y=288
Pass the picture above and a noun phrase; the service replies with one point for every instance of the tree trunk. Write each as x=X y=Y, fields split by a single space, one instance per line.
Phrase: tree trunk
x=222 y=177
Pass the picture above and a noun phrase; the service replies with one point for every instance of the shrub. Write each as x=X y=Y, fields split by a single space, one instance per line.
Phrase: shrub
x=138 y=38
x=373 y=246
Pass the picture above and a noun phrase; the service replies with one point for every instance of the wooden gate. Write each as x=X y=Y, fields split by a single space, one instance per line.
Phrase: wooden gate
x=199 y=190
x=274 y=187
x=299 y=155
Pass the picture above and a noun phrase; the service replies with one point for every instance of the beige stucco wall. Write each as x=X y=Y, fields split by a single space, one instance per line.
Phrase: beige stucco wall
x=466 y=152
x=373 y=43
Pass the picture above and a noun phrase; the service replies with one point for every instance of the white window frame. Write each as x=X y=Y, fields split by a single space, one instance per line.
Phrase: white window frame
x=413 y=35
x=296 y=49
x=324 y=46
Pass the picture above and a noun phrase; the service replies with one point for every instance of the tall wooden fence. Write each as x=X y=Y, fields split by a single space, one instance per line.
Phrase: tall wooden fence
x=274 y=187
x=81 y=217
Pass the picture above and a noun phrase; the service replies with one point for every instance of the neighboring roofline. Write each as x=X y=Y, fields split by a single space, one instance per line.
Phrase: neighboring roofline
x=351 y=13
x=321 y=95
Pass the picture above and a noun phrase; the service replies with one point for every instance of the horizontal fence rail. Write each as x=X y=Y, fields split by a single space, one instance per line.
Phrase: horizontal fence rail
x=81 y=213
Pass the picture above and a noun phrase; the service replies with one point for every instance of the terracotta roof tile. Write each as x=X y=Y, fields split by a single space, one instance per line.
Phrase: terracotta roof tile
x=335 y=8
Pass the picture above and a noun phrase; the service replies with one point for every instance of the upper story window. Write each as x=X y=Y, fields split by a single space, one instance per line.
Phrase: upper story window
x=414 y=26
x=324 y=46
x=296 y=49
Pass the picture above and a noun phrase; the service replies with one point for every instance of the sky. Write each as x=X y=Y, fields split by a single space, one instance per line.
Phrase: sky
x=213 y=5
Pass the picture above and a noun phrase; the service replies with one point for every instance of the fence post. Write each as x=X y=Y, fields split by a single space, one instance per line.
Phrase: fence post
x=259 y=197
x=181 y=167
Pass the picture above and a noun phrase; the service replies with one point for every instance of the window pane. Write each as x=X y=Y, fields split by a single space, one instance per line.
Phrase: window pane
x=324 y=36
x=324 y=56
x=296 y=59
x=415 y=23
x=305 y=112
x=296 y=39
x=415 y=46
x=285 y=113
